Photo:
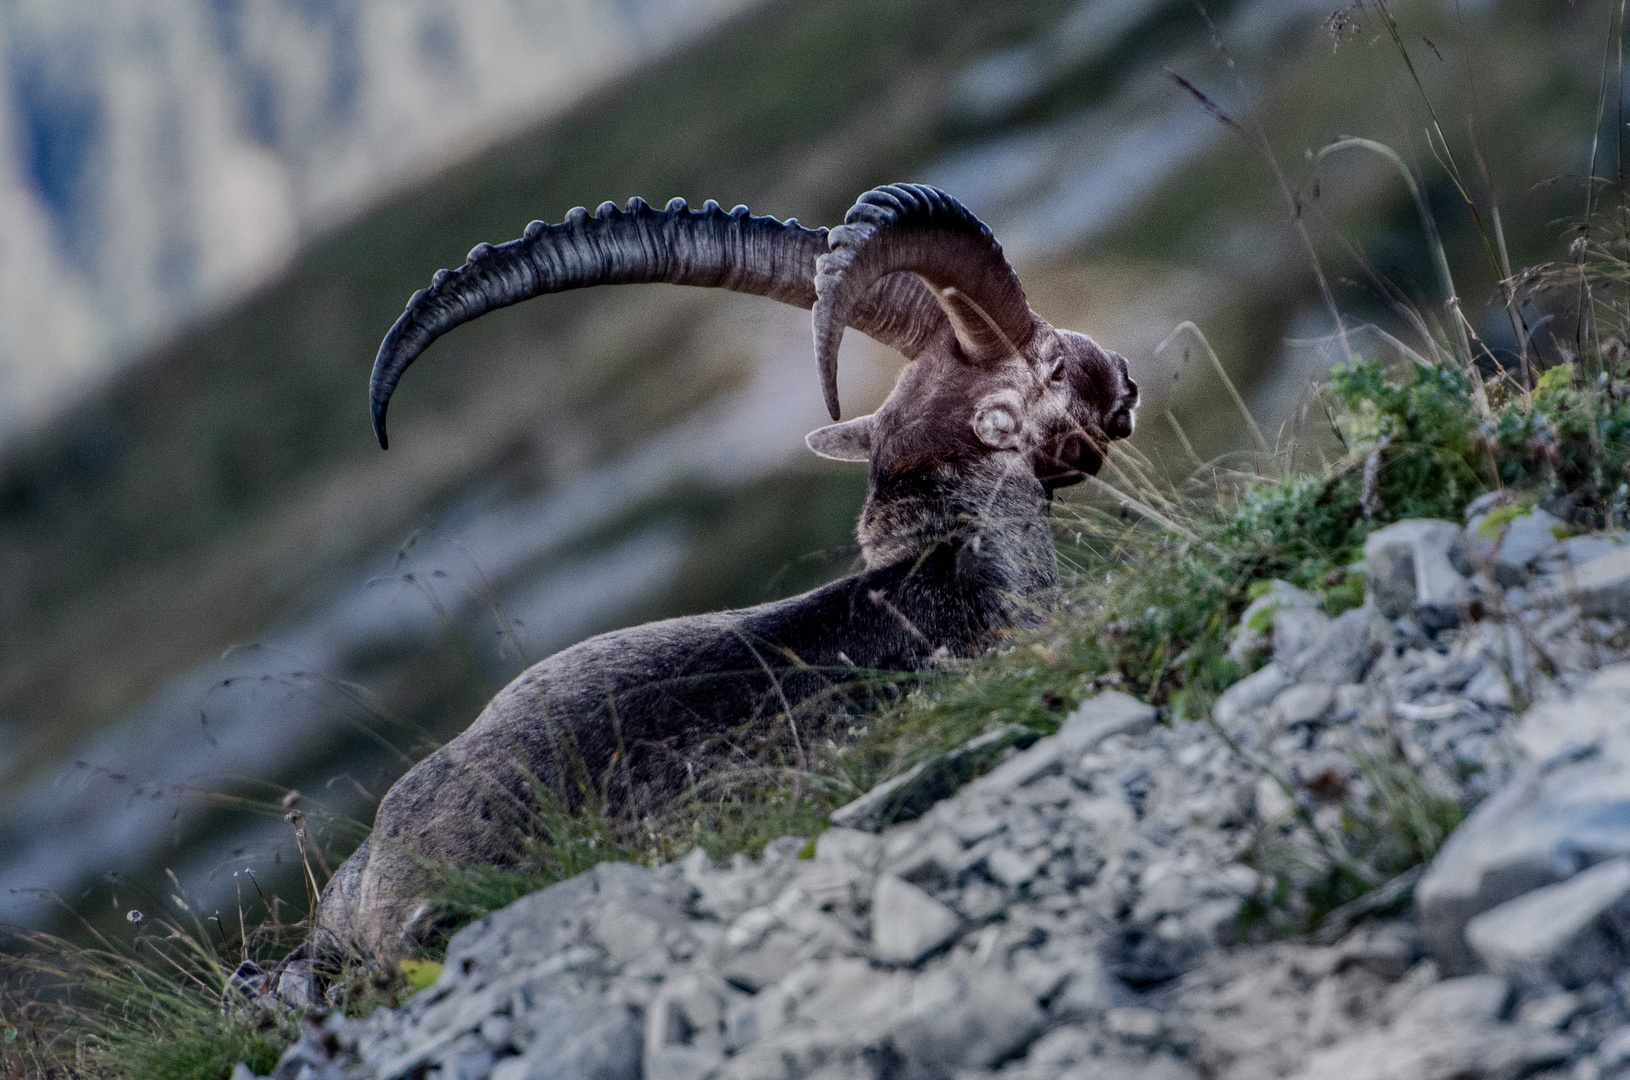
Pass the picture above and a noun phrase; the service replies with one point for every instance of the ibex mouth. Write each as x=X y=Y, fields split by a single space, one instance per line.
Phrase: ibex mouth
x=1067 y=461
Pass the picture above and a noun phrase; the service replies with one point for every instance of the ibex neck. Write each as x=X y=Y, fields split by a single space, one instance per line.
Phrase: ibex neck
x=998 y=520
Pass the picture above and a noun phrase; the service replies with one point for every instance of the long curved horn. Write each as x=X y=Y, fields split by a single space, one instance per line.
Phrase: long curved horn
x=707 y=247
x=915 y=228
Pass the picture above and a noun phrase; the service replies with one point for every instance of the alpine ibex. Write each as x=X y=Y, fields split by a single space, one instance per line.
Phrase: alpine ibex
x=995 y=411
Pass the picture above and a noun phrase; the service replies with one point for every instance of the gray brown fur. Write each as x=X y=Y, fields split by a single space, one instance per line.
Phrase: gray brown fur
x=996 y=411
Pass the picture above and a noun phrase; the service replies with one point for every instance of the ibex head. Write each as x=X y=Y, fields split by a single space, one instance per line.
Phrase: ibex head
x=911 y=267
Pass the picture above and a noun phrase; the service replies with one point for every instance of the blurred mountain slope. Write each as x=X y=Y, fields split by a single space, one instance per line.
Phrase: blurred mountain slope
x=159 y=159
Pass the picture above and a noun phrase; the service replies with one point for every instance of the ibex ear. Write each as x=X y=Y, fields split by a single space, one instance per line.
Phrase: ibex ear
x=848 y=441
x=998 y=418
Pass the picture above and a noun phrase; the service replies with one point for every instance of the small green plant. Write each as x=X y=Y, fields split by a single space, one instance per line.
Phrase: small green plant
x=1409 y=821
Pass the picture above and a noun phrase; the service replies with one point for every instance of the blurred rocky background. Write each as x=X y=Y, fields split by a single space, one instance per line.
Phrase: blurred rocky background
x=160 y=160
x=215 y=588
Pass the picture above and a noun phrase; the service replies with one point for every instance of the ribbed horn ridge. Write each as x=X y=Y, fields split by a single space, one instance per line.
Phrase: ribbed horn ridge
x=921 y=230
x=707 y=247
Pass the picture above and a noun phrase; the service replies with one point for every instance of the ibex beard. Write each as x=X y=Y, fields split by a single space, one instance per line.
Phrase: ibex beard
x=995 y=411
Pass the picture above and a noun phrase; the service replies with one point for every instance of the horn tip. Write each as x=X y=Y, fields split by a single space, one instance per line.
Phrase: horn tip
x=826 y=359
x=379 y=424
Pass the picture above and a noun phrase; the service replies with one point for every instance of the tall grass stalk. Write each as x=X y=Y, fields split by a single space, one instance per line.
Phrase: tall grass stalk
x=147 y=1008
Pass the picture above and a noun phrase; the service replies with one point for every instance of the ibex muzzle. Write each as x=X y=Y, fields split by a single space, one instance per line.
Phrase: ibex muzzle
x=995 y=411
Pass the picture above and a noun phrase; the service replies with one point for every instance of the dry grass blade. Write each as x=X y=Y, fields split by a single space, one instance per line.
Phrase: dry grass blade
x=1149 y=512
x=1222 y=373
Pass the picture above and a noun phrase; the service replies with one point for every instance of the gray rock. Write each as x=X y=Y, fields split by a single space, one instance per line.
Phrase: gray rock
x=1387 y=950
x=293 y=984
x=1527 y=538
x=1469 y=999
x=464 y=998
x=1568 y=934
x=1615 y=1049
x=907 y=923
x=763 y=945
x=867 y=811
x=1508 y=557
x=1409 y=572
x=1579 y=550
x=1550 y=820
x=1477 y=550
x=499 y=1031
x=909 y=795
x=1100 y=858
x=1134 y=1023
x=318 y=1055
x=1340 y=655
x=1551 y=1011
x=622 y=908
x=1602 y=585
x=831 y=1015
x=1250 y=694
x=1441 y=593
x=1486 y=502
x=1295 y=631
x=1152 y=952
x=1251 y=636
x=765 y=958
x=1447 y=1032
x=980 y=900
x=1306 y=703
x=960 y=1018
x=785 y=848
x=1592 y=719
x=1157 y=1066
x=1489 y=687
x=972 y=827
x=583 y=1039
x=1570 y=807
x=1013 y=868
x=1097 y=718
x=852 y=847
x=1046 y=756
x=1090 y=990
x=1040 y=975
x=685 y=1033
x=469 y=1058
x=1057 y=1050
x=1108 y=814
x=931 y=855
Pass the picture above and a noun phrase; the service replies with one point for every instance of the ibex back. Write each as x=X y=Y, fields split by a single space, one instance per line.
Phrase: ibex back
x=996 y=410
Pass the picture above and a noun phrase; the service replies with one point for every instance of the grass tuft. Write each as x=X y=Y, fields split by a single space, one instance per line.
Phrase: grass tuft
x=150 y=1007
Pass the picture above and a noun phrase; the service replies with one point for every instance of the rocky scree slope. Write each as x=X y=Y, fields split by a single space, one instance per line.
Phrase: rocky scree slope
x=1103 y=902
